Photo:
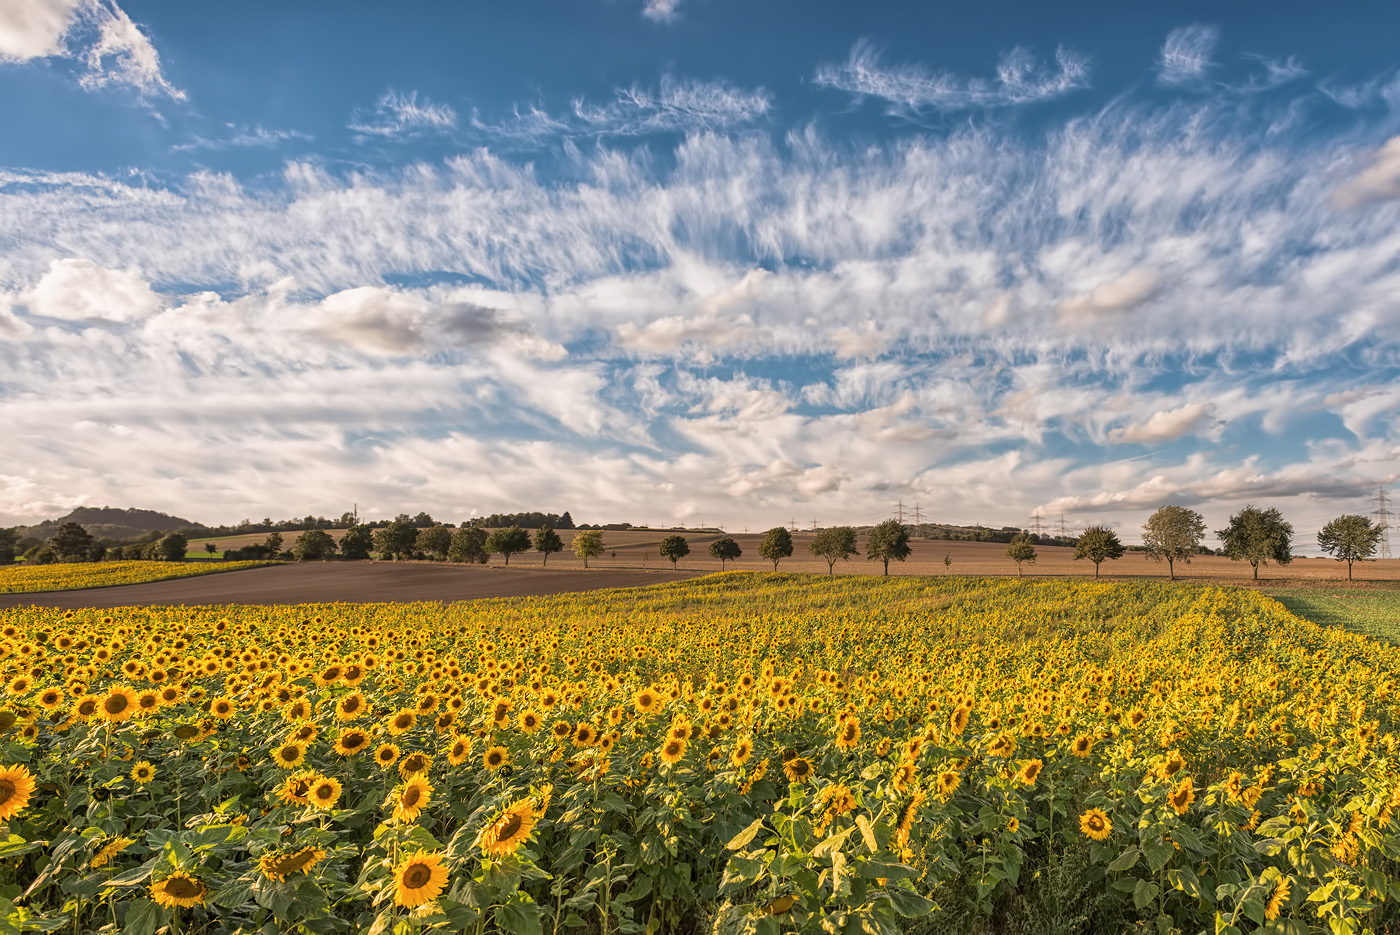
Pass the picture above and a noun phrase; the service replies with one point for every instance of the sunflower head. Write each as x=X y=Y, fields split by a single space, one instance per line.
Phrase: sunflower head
x=323 y=793
x=16 y=786
x=1096 y=825
x=495 y=757
x=179 y=889
x=143 y=772
x=509 y=830
x=419 y=879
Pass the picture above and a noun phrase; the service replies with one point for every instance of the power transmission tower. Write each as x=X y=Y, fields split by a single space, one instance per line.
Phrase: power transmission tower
x=901 y=509
x=1383 y=515
x=1062 y=530
x=1037 y=526
x=814 y=524
x=918 y=515
x=792 y=524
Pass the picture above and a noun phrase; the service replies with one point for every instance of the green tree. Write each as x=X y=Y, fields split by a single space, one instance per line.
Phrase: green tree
x=675 y=548
x=468 y=545
x=1021 y=549
x=947 y=562
x=434 y=541
x=508 y=541
x=396 y=539
x=838 y=543
x=588 y=544
x=1173 y=533
x=313 y=545
x=1258 y=537
x=210 y=548
x=776 y=545
x=71 y=543
x=170 y=547
x=357 y=542
x=1097 y=543
x=725 y=550
x=889 y=540
x=547 y=542
x=1350 y=538
x=9 y=543
x=273 y=544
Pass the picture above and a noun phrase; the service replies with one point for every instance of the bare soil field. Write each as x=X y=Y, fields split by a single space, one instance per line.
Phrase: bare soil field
x=349 y=582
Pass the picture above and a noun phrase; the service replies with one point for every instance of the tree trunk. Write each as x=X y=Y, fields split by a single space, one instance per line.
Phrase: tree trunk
x=775 y=564
x=507 y=555
x=887 y=568
x=546 y=559
x=831 y=568
x=1256 y=570
x=1171 y=570
x=1348 y=569
x=1018 y=569
x=1096 y=569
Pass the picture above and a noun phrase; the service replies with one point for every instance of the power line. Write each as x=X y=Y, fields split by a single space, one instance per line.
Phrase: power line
x=1037 y=526
x=900 y=508
x=918 y=515
x=1383 y=515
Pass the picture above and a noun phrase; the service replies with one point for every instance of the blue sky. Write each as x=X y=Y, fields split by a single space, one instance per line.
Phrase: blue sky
x=700 y=261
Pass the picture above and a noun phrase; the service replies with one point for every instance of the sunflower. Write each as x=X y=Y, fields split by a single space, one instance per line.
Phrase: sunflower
x=147 y=702
x=410 y=799
x=1082 y=746
x=109 y=850
x=1277 y=900
x=459 y=751
x=223 y=707
x=351 y=742
x=419 y=879
x=386 y=755
x=179 y=889
x=646 y=701
x=948 y=782
x=50 y=698
x=1234 y=786
x=495 y=757
x=1029 y=772
x=280 y=866
x=414 y=763
x=16 y=786
x=289 y=755
x=509 y=830
x=294 y=788
x=672 y=752
x=798 y=769
x=957 y=721
x=562 y=730
x=1096 y=825
x=1183 y=795
x=1173 y=764
x=743 y=749
x=401 y=722
x=848 y=734
x=143 y=772
x=324 y=793
x=585 y=735
x=1013 y=825
x=350 y=706
x=529 y=721
x=86 y=707
x=119 y=705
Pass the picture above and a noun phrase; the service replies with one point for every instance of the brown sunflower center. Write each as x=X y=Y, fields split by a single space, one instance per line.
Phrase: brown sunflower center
x=87 y=708
x=116 y=704
x=414 y=763
x=181 y=888
x=494 y=759
x=7 y=791
x=1095 y=823
x=509 y=827
x=411 y=796
x=324 y=792
x=351 y=741
x=289 y=752
x=417 y=876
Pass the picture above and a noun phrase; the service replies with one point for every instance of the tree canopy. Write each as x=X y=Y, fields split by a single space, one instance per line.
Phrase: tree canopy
x=508 y=541
x=547 y=541
x=1098 y=543
x=889 y=540
x=588 y=544
x=357 y=542
x=776 y=545
x=836 y=543
x=1021 y=549
x=394 y=540
x=1350 y=538
x=725 y=550
x=1173 y=533
x=1258 y=537
x=72 y=543
x=675 y=548
x=313 y=545
x=434 y=541
x=468 y=545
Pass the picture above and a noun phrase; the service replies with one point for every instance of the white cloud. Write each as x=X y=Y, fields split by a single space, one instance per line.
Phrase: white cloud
x=1378 y=181
x=1113 y=296
x=1186 y=55
x=96 y=32
x=661 y=11
x=244 y=137
x=79 y=290
x=1166 y=425
x=34 y=28
x=401 y=115
x=1021 y=79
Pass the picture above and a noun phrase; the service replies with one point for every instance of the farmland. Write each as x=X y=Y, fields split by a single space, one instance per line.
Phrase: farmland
x=22 y=579
x=733 y=753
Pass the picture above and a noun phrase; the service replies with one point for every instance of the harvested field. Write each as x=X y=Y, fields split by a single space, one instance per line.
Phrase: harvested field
x=350 y=582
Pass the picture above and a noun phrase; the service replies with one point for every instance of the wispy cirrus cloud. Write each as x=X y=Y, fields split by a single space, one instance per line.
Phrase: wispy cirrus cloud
x=1378 y=179
x=245 y=137
x=403 y=115
x=675 y=106
x=1186 y=55
x=1021 y=78
x=661 y=11
x=96 y=34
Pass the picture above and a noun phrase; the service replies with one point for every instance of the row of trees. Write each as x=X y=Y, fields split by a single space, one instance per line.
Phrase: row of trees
x=72 y=543
x=1254 y=535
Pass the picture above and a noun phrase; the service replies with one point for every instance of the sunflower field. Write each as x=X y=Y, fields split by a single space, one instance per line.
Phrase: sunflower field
x=66 y=576
x=738 y=753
